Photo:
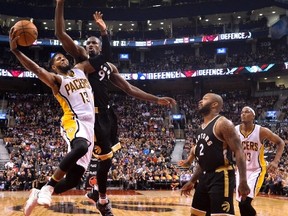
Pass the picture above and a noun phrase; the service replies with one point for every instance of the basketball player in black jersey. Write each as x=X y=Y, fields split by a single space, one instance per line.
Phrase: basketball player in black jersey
x=216 y=139
x=105 y=120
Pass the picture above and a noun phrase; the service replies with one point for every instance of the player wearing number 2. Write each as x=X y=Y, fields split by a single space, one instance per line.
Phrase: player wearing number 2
x=216 y=139
x=252 y=137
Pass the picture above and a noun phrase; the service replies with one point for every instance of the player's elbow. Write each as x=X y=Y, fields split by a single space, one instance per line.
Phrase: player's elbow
x=59 y=34
x=281 y=144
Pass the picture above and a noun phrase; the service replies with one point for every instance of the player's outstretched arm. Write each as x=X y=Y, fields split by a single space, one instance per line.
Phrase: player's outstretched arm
x=98 y=17
x=133 y=91
x=46 y=77
x=76 y=51
x=106 y=48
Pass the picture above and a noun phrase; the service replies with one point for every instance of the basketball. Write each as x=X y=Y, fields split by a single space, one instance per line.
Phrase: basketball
x=27 y=31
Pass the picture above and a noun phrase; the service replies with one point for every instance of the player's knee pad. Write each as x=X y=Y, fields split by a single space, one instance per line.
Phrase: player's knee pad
x=80 y=146
x=245 y=207
x=104 y=166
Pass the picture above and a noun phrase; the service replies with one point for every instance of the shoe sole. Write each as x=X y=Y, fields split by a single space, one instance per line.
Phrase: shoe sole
x=27 y=202
x=44 y=204
x=98 y=206
x=90 y=200
x=24 y=210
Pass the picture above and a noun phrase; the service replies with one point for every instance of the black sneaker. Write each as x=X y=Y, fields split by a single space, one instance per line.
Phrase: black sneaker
x=106 y=209
x=93 y=196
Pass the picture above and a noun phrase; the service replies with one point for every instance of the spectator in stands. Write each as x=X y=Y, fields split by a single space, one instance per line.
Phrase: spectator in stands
x=28 y=182
x=9 y=165
x=185 y=177
x=2 y=181
x=175 y=181
x=285 y=183
x=266 y=184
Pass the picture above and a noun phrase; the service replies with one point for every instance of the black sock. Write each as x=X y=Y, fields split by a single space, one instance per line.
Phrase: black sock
x=52 y=182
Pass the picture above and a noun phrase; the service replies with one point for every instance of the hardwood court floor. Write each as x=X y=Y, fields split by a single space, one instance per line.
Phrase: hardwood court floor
x=128 y=203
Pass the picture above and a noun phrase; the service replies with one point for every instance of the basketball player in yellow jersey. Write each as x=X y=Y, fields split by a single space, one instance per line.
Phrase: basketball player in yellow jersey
x=252 y=137
x=74 y=93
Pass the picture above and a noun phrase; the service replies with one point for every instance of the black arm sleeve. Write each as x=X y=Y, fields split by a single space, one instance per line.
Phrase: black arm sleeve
x=97 y=61
x=106 y=48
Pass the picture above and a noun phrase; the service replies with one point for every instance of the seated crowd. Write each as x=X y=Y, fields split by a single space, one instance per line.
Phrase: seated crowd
x=193 y=26
x=147 y=136
x=177 y=58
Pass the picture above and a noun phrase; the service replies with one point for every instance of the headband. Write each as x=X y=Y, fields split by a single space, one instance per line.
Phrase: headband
x=251 y=110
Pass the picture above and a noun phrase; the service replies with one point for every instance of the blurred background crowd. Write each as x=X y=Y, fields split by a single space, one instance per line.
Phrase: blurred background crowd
x=150 y=135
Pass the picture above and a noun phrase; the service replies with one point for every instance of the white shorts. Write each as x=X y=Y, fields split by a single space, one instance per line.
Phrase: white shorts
x=255 y=179
x=72 y=128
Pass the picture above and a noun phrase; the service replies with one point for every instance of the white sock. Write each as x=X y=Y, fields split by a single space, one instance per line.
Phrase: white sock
x=103 y=201
x=95 y=187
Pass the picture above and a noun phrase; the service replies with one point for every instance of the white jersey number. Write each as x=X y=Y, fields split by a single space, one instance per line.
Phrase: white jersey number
x=201 y=153
x=105 y=70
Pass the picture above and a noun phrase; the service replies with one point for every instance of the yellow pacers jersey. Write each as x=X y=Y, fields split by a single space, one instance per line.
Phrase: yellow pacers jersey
x=253 y=148
x=76 y=99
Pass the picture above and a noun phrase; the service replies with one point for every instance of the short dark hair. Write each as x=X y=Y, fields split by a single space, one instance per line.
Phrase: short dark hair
x=52 y=59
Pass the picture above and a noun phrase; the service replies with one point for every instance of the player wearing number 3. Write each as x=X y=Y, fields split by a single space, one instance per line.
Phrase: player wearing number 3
x=74 y=94
x=252 y=137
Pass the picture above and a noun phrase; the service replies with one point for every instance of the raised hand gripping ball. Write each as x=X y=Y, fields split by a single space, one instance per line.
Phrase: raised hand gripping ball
x=27 y=31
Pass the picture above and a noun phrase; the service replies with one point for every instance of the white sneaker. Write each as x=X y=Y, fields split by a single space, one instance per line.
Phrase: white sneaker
x=44 y=196
x=31 y=203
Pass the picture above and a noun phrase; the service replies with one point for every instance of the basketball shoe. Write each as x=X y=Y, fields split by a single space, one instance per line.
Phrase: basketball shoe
x=93 y=196
x=31 y=203
x=105 y=209
x=44 y=196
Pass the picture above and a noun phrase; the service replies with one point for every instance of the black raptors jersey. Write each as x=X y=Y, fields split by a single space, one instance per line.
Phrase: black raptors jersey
x=100 y=78
x=211 y=152
x=99 y=82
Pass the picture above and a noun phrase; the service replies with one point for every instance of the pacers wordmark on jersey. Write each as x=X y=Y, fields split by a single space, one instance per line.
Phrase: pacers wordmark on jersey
x=76 y=85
